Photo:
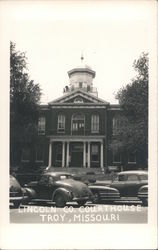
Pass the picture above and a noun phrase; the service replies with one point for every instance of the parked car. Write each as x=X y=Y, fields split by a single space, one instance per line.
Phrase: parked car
x=16 y=192
x=104 y=194
x=130 y=183
x=143 y=194
x=58 y=187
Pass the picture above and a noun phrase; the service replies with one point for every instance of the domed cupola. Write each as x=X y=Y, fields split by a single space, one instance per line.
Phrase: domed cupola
x=81 y=77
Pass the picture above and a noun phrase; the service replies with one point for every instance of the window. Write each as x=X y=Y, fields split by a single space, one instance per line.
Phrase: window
x=95 y=153
x=39 y=153
x=41 y=125
x=143 y=177
x=131 y=158
x=116 y=157
x=61 y=123
x=25 y=155
x=78 y=123
x=116 y=123
x=95 y=123
x=133 y=177
x=122 y=177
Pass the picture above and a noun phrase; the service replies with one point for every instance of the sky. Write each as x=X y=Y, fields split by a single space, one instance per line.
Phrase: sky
x=110 y=34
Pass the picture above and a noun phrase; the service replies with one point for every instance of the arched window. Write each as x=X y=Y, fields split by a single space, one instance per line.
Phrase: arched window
x=95 y=123
x=78 y=123
x=61 y=123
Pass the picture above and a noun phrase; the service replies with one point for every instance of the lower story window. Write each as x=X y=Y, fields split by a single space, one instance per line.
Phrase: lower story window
x=39 y=153
x=25 y=155
x=131 y=158
x=116 y=157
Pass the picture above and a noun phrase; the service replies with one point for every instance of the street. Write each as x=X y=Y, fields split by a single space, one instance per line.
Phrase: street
x=72 y=213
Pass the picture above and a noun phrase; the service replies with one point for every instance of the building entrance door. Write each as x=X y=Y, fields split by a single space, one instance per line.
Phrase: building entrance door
x=76 y=155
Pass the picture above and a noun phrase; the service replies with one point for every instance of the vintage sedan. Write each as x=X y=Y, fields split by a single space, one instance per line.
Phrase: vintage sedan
x=103 y=194
x=58 y=187
x=129 y=183
x=16 y=192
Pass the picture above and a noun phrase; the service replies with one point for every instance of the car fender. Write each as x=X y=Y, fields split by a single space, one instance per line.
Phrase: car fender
x=67 y=194
x=143 y=191
x=31 y=193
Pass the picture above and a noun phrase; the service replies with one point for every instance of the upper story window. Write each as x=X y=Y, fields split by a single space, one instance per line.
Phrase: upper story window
x=116 y=123
x=41 y=125
x=95 y=123
x=61 y=123
x=78 y=123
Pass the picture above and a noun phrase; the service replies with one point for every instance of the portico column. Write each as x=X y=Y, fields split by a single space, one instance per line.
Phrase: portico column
x=84 y=154
x=50 y=154
x=101 y=156
x=63 y=155
x=67 y=155
x=89 y=155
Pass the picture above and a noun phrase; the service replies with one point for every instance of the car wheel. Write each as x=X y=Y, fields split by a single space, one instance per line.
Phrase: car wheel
x=17 y=204
x=96 y=197
x=81 y=203
x=59 y=200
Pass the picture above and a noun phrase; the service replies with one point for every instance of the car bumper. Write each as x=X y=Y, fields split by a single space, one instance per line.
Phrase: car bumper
x=86 y=198
x=12 y=199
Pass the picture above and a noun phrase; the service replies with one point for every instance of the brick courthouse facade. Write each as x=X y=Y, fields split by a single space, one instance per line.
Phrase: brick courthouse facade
x=74 y=130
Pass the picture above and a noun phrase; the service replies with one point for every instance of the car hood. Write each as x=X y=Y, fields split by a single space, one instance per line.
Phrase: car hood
x=108 y=189
x=74 y=185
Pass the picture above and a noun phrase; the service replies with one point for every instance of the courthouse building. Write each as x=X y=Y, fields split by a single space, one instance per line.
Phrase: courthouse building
x=74 y=131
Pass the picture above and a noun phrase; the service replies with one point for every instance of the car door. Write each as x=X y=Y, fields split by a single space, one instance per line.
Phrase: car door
x=119 y=183
x=44 y=188
x=132 y=185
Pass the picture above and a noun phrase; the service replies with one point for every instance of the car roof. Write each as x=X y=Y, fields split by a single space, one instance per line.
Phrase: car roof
x=56 y=173
x=138 y=172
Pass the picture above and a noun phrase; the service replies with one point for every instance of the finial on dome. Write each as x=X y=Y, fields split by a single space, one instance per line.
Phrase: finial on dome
x=82 y=57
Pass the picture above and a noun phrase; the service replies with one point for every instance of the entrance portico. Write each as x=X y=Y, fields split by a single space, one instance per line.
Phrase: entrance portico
x=76 y=152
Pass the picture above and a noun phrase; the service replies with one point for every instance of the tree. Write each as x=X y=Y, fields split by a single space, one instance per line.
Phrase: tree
x=132 y=135
x=24 y=100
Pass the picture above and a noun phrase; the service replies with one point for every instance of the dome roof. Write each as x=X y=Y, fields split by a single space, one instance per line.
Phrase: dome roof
x=82 y=68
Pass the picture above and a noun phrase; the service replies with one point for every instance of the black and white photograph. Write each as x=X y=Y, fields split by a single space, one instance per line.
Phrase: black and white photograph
x=79 y=133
